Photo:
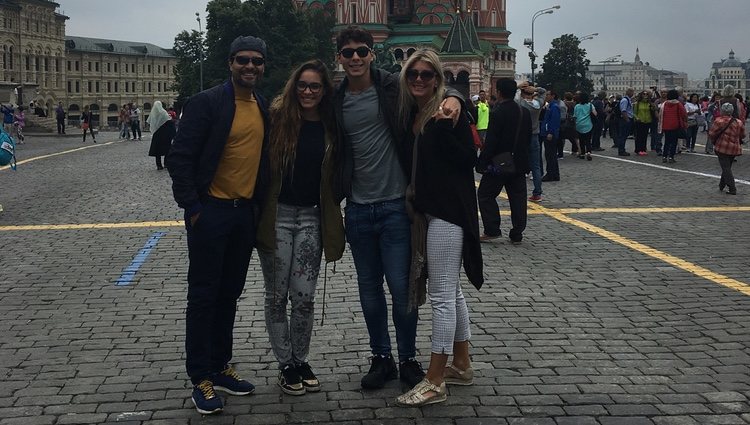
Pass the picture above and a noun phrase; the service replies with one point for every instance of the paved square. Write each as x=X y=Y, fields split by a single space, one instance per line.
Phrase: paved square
x=627 y=303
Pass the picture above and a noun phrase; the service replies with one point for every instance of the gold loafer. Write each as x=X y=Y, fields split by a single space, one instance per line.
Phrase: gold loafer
x=456 y=376
x=422 y=394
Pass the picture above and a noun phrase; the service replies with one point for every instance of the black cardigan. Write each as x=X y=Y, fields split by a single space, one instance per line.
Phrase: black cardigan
x=444 y=184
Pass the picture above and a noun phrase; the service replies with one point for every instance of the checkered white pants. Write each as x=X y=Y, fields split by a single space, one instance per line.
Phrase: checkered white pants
x=450 y=316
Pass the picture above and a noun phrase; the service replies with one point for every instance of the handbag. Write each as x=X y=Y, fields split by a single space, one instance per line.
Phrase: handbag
x=503 y=164
x=85 y=126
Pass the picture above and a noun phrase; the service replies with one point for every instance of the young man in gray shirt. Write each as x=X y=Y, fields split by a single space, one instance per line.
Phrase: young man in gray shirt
x=375 y=168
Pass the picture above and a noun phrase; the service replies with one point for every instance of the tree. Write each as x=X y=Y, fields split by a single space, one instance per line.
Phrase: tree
x=565 y=65
x=292 y=36
x=187 y=48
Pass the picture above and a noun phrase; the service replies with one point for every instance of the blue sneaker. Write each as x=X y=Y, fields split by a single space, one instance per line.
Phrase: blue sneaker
x=205 y=399
x=230 y=382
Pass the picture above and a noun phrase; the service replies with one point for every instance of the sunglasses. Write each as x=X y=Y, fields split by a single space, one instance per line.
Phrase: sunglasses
x=244 y=60
x=314 y=87
x=413 y=74
x=361 y=51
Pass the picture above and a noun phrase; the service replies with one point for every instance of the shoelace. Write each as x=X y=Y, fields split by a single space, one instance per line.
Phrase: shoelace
x=232 y=373
x=207 y=389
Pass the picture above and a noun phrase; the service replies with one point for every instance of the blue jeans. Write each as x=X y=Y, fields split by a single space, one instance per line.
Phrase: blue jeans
x=535 y=161
x=380 y=239
x=622 y=134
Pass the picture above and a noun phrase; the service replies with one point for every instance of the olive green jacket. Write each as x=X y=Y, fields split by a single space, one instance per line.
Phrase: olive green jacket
x=331 y=221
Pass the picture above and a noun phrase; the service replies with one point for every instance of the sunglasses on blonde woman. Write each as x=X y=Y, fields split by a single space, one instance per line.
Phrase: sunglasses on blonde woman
x=413 y=74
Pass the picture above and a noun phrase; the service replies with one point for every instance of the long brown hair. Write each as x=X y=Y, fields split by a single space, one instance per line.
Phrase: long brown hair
x=286 y=116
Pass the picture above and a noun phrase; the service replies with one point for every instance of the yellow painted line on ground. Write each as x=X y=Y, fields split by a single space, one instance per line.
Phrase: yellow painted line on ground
x=649 y=210
x=36 y=158
x=87 y=226
x=651 y=252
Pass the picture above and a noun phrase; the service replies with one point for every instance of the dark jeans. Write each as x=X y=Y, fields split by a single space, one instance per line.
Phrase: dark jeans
x=550 y=155
x=596 y=133
x=379 y=236
x=622 y=134
x=584 y=139
x=670 y=143
x=727 y=178
x=692 y=136
x=135 y=126
x=61 y=126
x=89 y=130
x=219 y=249
x=656 y=137
x=535 y=161
x=489 y=188
x=641 y=136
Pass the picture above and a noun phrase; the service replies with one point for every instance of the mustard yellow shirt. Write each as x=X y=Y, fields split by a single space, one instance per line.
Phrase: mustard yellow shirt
x=238 y=167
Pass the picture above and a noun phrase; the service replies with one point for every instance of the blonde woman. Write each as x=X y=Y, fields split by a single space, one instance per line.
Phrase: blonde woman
x=301 y=219
x=443 y=191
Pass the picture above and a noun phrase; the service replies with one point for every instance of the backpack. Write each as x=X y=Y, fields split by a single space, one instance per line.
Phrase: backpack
x=7 y=150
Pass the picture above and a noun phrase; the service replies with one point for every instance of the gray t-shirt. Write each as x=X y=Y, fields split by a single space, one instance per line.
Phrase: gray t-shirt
x=377 y=172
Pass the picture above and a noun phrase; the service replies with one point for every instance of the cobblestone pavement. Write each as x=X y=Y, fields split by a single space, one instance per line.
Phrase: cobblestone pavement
x=627 y=303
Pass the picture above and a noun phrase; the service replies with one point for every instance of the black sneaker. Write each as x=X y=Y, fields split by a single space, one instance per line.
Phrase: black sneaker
x=290 y=381
x=382 y=369
x=230 y=382
x=410 y=372
x=309 y=380
x=205 y=399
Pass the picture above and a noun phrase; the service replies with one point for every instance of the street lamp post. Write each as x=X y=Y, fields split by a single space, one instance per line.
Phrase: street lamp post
x=587 y=37
x=200 y=30
x=604 y=63
x=532 y=54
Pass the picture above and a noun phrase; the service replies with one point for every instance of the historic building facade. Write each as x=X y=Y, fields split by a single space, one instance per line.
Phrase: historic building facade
x=105 y=74
x=41 y=64
x=474 y=52
x=616 y=77
x=729 y=71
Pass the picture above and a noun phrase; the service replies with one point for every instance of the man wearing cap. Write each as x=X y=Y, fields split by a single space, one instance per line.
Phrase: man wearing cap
x=219 y=173
x=532 y=98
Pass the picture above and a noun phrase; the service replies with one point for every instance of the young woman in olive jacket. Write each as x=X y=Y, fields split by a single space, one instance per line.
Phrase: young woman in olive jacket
x=301 y=219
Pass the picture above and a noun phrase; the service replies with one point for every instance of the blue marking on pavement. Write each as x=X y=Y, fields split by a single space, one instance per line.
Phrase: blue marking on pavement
x=128 y=273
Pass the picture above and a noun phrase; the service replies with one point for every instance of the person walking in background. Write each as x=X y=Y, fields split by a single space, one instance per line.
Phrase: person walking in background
x=483 y=115
x=532 y=98
x=8 y=119
x=162 y=133
x=87 y=124
x=693 y=109
x=596 y=134
x=219 y=169
x=727 y=134
x=135 y=120
x=643 y=116
x=584 y=114
x=124 y=120
x=509 y=131
x=60 y=116
x=550 y=131
x=672 y=121
x=19 y=122
x=444 y=197
x=301 y=219
x=626 y=121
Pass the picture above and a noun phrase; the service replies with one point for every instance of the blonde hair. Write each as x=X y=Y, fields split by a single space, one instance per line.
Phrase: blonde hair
x=406 y=100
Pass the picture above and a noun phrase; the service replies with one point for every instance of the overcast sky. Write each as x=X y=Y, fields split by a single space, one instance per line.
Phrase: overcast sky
x=680 y=35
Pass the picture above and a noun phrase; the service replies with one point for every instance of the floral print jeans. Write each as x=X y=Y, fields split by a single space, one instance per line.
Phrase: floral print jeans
x=292 y=272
